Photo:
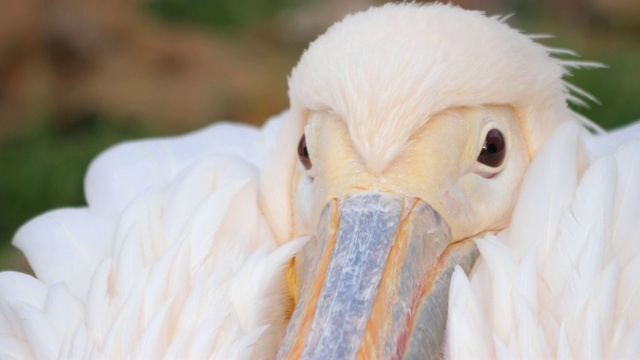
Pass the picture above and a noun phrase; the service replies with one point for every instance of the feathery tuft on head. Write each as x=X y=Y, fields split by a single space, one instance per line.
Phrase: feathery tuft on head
x=387 y=70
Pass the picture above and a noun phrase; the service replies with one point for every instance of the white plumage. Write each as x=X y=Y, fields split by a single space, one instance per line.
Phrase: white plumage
x=171 y=258
x=180 y=252
x=562 y=280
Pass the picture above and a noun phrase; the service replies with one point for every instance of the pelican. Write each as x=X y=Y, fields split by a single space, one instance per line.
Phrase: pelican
x=419 y=138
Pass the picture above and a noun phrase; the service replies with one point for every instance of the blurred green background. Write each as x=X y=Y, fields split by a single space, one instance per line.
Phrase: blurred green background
x=78 y=76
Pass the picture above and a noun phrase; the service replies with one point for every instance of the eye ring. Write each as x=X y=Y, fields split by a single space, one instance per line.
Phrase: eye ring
x=493 y=149
x=303 y=153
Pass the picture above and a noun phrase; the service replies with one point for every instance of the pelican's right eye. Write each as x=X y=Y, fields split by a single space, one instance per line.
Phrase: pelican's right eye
x=303 y=153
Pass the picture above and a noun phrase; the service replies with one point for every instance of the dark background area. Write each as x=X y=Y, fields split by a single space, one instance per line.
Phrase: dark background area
x=77 y=76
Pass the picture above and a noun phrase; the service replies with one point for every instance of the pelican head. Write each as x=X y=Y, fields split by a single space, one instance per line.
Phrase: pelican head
x=410 y=129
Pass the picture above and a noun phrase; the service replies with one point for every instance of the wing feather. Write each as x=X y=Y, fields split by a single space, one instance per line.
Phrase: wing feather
x=466 y=322
x=546 y=192
x=118 y=175
x=65 y=245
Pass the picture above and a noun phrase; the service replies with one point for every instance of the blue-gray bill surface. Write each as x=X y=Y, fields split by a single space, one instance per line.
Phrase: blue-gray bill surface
x=375 y=256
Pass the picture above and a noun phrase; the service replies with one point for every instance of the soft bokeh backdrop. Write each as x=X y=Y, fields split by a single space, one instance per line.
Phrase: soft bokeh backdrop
x=77 y=76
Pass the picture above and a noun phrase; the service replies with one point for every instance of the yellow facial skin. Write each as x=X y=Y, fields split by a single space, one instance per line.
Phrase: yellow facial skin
x=438 y=164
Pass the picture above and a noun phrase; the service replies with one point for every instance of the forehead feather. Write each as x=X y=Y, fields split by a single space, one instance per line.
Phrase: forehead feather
x=387 y=70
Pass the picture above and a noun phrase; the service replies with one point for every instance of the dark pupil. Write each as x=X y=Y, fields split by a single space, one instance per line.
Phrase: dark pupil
x=490 y=149
x=493 y=149
x=303 y=153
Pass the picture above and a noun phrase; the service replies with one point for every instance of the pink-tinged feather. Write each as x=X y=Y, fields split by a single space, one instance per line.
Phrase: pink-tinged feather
x=65 y=245
x=546 y=192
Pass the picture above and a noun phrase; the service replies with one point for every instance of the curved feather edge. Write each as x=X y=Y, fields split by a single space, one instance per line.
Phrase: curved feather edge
x=65 y=245
x=119 y=174
x=546 y=191
x=465 y=322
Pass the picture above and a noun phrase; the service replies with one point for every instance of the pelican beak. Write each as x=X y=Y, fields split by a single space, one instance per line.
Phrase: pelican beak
x=377 y=282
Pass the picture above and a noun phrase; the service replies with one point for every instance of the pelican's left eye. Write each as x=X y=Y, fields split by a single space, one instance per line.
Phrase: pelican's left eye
x=303 y=153
x=493 y=149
